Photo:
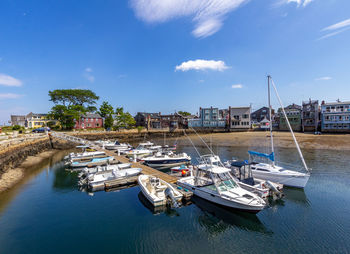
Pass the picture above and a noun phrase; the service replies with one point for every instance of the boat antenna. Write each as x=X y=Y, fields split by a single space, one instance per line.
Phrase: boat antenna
x=289 y=126
x=270 y=120
x=203 y=141
x=192 y=143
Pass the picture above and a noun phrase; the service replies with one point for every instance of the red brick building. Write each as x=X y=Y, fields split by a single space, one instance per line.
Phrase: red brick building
x=89 y=120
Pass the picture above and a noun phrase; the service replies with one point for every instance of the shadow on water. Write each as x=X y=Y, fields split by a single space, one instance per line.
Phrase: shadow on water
x=157 y=210
x=217 y=219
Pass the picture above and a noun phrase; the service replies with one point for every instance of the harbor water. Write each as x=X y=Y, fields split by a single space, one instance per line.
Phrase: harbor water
x=47 y=213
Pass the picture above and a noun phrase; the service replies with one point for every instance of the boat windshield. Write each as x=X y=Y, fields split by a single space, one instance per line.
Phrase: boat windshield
x=227 y=185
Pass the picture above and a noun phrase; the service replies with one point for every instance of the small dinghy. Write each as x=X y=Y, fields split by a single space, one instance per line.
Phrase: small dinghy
x=158 y=192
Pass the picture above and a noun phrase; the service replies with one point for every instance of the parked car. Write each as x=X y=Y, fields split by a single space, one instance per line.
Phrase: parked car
x=41 y=130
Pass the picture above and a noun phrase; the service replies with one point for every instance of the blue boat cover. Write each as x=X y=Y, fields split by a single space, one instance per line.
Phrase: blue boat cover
x=239 y=164
x=270 y=156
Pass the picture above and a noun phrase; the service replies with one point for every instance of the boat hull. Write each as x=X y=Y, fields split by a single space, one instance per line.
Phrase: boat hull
x=296 y=181
x=216 y=199
x=166 y=163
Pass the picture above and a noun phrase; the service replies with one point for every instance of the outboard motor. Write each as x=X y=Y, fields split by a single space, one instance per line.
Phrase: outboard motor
x=274 y=190
x=170 y=194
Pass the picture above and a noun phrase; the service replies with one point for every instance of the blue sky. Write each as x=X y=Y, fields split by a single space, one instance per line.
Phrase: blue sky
x=163 y=55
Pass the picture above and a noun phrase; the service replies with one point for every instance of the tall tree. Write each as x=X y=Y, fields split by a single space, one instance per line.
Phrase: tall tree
x=124 y=119
x=70 y=104
x=106 y=109
x=69 y=97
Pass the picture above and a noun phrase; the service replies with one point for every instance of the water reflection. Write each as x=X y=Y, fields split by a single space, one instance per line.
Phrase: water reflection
x=30 y=173
x=296 y=195
x=157 y=210
x=64 y=180
x=217 y=219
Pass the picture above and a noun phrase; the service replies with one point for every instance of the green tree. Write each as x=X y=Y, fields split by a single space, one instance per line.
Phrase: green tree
x=108 y=122
x=69 y=97
x=124 y=119
x=106 y=109
x=184 y=113
x=70 y=104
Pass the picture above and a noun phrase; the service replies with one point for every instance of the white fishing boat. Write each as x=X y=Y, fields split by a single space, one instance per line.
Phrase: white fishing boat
x=158 y=192
x=166 y=160
x=96 y=181
x=213 y=182
x=275 y=173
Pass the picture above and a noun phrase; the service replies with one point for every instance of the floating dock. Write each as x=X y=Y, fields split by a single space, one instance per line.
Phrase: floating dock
x=145 y=169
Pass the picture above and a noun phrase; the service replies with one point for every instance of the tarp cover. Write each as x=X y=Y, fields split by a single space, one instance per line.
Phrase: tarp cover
x=270 y=156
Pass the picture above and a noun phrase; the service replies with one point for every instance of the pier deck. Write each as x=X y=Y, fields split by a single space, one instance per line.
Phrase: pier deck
x=145 y=169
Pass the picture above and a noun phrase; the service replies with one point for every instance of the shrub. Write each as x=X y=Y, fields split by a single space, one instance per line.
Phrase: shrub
x=16 y=127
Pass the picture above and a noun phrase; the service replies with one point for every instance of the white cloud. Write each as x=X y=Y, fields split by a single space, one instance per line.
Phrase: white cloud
x=202 y=65
x=88 y=75
x=335 y=29
x=323 y=78
x=336 y=26
x=299 y=3
x=208 y=15
x=10 y=96
x=7 y=80
x=237 y=86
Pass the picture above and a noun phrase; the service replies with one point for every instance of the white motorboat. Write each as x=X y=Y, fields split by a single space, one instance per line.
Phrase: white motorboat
x=275 y=173
x=138 y=152
x=157 y=191
x=91 y=162
x=87 y=171
x=84 y=154
x=167 y=160
x=96 y=181
x=242 y=170
x=213 y=182
x=117 y=146
x=142 y=150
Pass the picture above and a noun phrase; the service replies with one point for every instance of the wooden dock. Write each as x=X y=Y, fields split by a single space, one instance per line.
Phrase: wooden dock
x=145 y=169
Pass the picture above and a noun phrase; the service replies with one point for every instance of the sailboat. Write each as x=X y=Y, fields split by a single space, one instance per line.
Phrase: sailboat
x=275 y=173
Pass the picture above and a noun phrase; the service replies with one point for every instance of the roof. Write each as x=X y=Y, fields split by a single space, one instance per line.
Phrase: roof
x=214 y=169
x=336 y=103
x=18 y=116
x=91 y=115
x=260 y=109
x=35 y=114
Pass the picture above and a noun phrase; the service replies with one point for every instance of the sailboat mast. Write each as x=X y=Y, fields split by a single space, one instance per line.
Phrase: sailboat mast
x=270 y=113
x=290 y=128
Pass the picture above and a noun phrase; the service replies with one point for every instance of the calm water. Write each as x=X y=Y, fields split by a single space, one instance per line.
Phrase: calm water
x=48 y=214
